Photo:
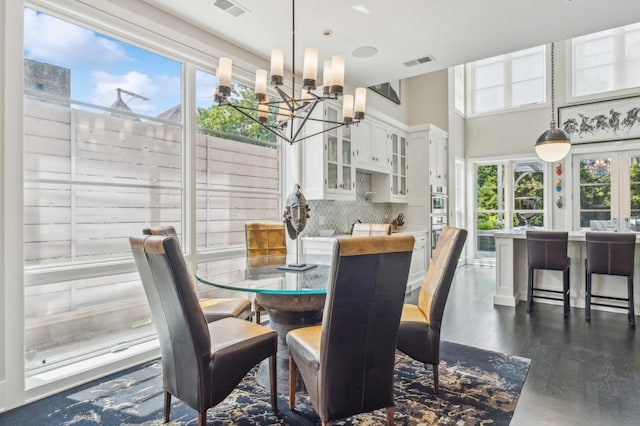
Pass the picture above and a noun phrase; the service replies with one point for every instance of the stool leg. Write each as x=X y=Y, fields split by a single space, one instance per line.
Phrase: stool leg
x=530 y=290
x=565 y=291
x=632 y=315
x=587 y=301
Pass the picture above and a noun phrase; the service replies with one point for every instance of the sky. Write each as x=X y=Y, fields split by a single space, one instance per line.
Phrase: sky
x=100 y=64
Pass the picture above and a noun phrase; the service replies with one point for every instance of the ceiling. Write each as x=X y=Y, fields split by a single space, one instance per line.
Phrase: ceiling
x=451 y=32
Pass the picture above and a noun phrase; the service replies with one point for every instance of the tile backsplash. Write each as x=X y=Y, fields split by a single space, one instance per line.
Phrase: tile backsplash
x=340 y=215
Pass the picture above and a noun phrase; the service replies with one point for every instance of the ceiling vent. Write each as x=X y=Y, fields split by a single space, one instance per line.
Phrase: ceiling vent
x=419 y=61
x=232 y=8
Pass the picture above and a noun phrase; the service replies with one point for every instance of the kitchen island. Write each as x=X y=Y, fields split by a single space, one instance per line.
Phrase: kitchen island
x=511 y=273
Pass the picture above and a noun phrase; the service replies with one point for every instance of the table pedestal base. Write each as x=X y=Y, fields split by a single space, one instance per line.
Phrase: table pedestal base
x=287 y=312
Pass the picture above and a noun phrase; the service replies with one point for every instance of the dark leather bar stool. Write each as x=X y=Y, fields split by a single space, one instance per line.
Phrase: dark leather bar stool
x=610 y=253
x=548 y=250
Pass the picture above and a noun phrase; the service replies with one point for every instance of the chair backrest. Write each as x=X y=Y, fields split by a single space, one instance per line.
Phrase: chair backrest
x=548 y=250
x=437 y=281
x=185 y=342
x=610 y=253
x=370 y=229
x=164 y=230
x=360 y=323
x=265 y=239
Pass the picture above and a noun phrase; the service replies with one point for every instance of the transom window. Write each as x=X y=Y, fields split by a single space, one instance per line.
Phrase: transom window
x=507 y=81
x=606 y=61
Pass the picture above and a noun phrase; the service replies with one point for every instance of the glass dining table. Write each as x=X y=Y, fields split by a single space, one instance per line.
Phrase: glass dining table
x=293 y=298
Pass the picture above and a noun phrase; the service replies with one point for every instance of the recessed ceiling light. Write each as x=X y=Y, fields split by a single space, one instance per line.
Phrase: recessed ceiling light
x=362 y=9
x=327 y=33
x=364 y=52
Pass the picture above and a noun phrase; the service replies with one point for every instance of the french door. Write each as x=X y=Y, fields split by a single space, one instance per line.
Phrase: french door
x=607 y=191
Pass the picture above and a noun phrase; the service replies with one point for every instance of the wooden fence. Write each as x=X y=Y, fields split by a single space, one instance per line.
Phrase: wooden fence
x=93 y=179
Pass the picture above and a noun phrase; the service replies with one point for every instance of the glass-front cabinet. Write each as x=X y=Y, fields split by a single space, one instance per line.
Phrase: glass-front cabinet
x=391 y=187
x=399 y=165
x=329 y=172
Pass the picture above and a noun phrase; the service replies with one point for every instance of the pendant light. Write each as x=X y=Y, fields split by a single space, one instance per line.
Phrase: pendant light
x=553 y=144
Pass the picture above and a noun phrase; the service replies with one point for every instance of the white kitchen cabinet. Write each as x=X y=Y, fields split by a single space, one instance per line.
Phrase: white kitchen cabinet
x=392 y=187
x=438 y=158
x=418 y=267
x=329 y=172
x=371 y=140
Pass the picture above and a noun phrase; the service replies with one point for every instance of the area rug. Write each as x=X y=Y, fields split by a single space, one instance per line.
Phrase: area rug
x=476 y=387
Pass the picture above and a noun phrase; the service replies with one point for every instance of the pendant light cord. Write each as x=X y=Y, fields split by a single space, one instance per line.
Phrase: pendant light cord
x=553 y=108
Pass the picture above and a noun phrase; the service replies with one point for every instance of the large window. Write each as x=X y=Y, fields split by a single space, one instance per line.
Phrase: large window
x=508 y=81
x=103 y=158
x=606 y=61
x=237 y=180
x=509 y=189
x=490 y=206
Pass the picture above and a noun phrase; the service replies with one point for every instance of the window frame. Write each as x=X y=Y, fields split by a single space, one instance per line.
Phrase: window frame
x=571 y=70
x=471 y=90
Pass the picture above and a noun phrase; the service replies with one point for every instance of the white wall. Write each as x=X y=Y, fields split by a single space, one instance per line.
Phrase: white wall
x=382 y=105
x=428 y=100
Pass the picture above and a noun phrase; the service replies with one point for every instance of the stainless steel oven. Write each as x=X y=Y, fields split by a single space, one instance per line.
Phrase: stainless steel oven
x=438 y=199
x=438 y=222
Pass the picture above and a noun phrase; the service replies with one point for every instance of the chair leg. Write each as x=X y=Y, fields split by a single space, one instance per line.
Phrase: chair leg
x=257 y=316
x=565 y=291
x=436 y=385
x=390 y=420
x=632 y=315
x=273 y=381
x=202 y=418
x=292 y=382
x=530 y=290
x=587 y=299
x=167 y=406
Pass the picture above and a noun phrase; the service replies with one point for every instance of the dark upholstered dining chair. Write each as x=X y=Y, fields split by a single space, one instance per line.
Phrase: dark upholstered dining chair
x=370 y=229
x=419 y=332
x=548 y=250
x=347 y=362
x=610 y=253
x=214 y=308
x=201 y=362
x=265 y=239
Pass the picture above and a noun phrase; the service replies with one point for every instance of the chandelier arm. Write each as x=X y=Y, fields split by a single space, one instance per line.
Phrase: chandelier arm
x=285 y=97
x=268 y=128
x=321 y=131
x=304 y=120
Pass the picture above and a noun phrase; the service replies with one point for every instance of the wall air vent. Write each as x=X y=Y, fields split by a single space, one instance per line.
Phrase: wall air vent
x=232 y=8
x=419 y=61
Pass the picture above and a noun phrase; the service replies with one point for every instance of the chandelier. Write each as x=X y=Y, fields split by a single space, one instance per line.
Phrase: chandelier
x=291 y=112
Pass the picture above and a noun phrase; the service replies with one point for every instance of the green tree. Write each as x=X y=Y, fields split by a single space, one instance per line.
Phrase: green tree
x=229 y=121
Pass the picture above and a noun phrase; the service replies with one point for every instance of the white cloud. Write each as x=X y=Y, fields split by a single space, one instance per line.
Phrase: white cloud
x=163 y=91
x=53 y=40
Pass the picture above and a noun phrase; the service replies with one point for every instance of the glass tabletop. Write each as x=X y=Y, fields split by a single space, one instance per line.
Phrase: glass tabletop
x=262 y=275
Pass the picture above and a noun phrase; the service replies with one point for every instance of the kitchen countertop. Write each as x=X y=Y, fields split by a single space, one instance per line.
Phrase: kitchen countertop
x=408 y=230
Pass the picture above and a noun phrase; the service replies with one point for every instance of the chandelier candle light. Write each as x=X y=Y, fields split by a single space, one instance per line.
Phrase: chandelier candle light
x=293 y=113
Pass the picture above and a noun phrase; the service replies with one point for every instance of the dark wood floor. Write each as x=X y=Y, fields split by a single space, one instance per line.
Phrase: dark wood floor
x=581 y=373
